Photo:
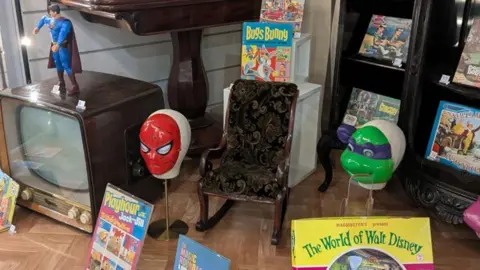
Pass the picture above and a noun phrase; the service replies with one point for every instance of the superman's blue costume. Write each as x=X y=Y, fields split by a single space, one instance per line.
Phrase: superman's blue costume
x=67 y=58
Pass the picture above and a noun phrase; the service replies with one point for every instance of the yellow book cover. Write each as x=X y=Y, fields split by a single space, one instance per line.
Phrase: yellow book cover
x=8 y=196
x=356 y=243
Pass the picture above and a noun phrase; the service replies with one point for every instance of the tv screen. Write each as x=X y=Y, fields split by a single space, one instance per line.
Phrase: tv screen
x=46 y=150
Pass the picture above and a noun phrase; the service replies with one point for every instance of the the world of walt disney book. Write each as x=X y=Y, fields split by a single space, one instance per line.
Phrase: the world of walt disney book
x=266 y=51
x=193 y=256
x=468 y=69
x=392 y=243
x=454 y=141
x=284 y=11
x=119 y=232
x=8 y=196
x=387 y=38
x=365 y=106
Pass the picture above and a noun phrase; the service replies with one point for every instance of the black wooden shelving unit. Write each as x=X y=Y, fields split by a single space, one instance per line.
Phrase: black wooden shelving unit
x=437 y=39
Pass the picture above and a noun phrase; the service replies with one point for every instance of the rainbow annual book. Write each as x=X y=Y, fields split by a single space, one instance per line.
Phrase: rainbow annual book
x=8 y=196
x=119 y=232
x=454 y=141
x=266 y=51
x=357 y=243
x=284 y=11
x=193 y=256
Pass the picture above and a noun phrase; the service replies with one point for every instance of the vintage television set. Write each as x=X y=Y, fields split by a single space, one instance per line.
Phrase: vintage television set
x=63 y=156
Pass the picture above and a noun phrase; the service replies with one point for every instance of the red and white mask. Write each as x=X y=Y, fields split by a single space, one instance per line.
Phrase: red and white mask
x=164 y=140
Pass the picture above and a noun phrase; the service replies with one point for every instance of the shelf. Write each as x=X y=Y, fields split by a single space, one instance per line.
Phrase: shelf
x=451 y=176
x=374 y=62
x=468 y=92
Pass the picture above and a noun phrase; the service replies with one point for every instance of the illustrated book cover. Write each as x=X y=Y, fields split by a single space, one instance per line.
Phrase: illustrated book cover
x=120 y=231
x=356 y=243
x=365 y=106
x=387 y=39
x=266 y=51
x=192 y=255
x=8 y=197
x=468 y=69
x=284 y=11
x=453 y=141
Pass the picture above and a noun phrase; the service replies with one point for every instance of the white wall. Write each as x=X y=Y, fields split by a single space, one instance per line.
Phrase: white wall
x=4 y=70
x=117 y=51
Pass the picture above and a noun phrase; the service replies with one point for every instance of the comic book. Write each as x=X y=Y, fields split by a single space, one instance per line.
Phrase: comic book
x=8 y=197
x=468 y=69
x=120 y=231
x=387 y=39
x=266 y=51
x=453 y=141
x=365 y=106
x=192 y=255
x=361 y=243
x=284 y=11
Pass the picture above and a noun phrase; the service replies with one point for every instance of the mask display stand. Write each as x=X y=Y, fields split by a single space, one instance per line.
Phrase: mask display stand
x=162 y=229
x=344 y=209
x=164 y=140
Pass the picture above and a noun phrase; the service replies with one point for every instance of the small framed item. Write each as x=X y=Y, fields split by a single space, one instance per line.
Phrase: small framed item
x=397 y=62
x=56 y=89
x=445 y=79
x=81 y=105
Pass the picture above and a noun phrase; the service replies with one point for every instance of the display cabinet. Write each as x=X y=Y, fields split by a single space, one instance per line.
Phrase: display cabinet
x=353 y=70
x=439 y=31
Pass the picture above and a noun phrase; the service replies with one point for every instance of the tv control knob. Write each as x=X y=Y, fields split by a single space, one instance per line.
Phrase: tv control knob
x=27 y=194
x=73 y=213
x=85 y=218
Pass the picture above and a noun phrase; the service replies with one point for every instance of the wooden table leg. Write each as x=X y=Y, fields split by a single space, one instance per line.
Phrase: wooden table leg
x=188 y=90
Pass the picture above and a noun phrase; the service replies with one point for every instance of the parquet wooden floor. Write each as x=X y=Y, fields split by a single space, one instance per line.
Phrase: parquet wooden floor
x=243 y=235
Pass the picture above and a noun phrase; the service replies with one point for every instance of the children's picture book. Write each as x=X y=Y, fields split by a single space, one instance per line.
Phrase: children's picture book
x=192 y=255
x=120 y=231
x=266 y=51
x=365 y=106
x=358 y=243
x=387 y=38
x=284 y=11
x=8 y=197
x=453 y=141
x=468 y=69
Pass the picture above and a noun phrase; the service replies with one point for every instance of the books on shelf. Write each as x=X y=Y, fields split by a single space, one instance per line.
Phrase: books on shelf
x=8 y=196
x=387 y=39
x=453 y=140
x=365 y=106
x=266 y=51
x=192 y=255
x=284 y=11
x=362 y=243
x=119 y=232
x=468 y=69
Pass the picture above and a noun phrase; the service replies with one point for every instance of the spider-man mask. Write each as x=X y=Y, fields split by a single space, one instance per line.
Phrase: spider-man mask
x=160 y=143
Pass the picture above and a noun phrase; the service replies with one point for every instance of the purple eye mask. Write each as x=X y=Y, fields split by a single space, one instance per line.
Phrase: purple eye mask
x=344 y=132
x=382 y=151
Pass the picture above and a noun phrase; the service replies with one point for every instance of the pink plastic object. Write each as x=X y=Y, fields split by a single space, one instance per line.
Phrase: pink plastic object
x=471 y=216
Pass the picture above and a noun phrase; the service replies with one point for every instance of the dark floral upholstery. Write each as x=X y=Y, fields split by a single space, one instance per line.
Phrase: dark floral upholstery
x=258 y=128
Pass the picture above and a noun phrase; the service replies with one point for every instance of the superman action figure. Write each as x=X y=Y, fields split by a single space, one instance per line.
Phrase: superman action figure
x=63 y=50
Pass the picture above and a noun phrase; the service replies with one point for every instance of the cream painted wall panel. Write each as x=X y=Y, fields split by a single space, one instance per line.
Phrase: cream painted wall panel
x=216 y=79
x=148 y=58
x=316 y=21
x=93 y=37
x=150 y=62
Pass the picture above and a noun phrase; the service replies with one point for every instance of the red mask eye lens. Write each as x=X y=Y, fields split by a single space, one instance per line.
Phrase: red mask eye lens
x=165 y=149
x=144 y=148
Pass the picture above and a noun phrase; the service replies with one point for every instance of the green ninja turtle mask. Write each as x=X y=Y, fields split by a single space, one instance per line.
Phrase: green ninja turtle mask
x=370 y=152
